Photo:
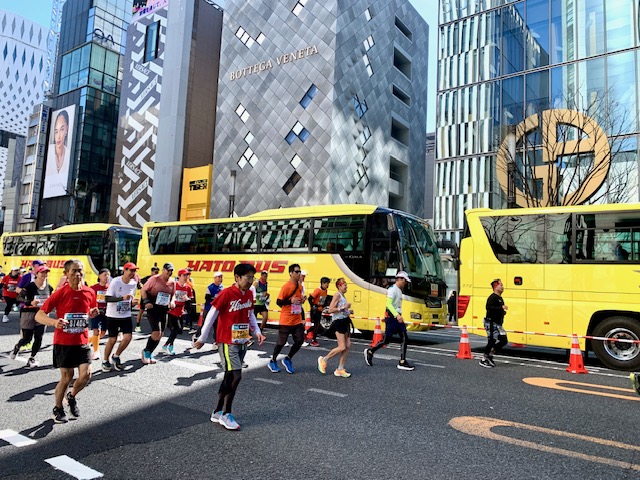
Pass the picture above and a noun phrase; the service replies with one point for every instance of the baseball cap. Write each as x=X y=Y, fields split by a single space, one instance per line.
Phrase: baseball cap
x=155 y=269
x=183 y=271
x=130 y=266
x=264 y=271
x=168 y=266
x=36 y=263
x=403 y=274
x=15 y=268
x=41 y=268
x=217 y=274
x=303 y=272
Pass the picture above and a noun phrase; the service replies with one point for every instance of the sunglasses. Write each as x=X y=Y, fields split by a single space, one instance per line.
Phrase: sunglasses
x=297 y=271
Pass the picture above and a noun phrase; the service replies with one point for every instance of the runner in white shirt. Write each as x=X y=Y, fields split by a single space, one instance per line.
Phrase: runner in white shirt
x=120 y=298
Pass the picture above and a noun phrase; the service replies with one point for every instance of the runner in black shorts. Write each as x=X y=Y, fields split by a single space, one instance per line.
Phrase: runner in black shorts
x=156 y=300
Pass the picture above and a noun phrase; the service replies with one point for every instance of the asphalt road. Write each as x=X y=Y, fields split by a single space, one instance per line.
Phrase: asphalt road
x=447 y=419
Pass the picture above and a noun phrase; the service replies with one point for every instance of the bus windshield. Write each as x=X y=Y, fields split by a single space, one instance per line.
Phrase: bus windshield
x=420 y=255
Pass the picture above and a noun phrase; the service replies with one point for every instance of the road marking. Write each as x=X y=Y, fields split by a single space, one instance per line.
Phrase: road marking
x=15 y=439
x=428 y=365
x=481 y=427
x=268 y=380
x=192 y=366
x=555 y=384
x=74 y=468
x=327 y=392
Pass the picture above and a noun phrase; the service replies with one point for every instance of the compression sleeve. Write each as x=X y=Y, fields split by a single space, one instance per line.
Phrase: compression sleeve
x=253 y=324
x=208 y=324
x=390 y=307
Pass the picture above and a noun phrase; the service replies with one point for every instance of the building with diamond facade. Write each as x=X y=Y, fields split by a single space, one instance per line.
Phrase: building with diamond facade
x=23 y=56
x=320 y=103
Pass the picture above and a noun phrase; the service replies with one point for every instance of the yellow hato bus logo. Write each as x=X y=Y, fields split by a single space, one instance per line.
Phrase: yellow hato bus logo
x=590 y=139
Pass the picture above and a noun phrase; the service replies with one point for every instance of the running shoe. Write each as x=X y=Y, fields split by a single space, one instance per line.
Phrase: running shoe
x=27 y=347
x=147 y=357
x=288 y=365
x=485 y=363
x=322 y=365
x=368 y=356
x=95 y=355
x=490 y=360
x=305 y=344
x=5 y=319
x=245 y=365
x=117 y=364
x=314 y=343
x=32 y=363
x=138 y=329
x=73 y=405
x=635 y=381
x=341 y=372
x=215 y=416
x=165 y=349
x=14 y=353
x=152 y=359
x=404 y=365
x=106 y=367
x=273 y=366
x=171 y=350
x=59 y=415
x=228 y=421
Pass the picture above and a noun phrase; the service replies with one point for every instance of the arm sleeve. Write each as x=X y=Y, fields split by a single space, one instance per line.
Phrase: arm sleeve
x=253 y=324
x=208 y=324
x=390 y=306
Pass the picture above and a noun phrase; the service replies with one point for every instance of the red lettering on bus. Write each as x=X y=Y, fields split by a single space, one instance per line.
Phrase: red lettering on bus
x=278 y=267
x=206 y=266
x=194 y=265
x=217 y=265
x=228 y=266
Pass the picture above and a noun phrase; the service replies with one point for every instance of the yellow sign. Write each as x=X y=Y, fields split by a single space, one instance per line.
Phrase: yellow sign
x=196 y=193
x=590 y=139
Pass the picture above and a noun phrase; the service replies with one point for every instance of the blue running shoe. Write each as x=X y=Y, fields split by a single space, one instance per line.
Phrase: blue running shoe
x=216 y=416
x=228 y=421
x=273 y=366
x=288 y=366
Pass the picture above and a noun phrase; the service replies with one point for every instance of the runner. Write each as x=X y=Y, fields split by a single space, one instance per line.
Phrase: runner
x=33 y=295
x=341 y=311
x=74 y=304
x=394 y=323
x=29 y=277
x=183 y=293
x=99 y=324
x=233 y=311
x=212 y=292
x=316 y=300
x=290 y=301
x=120 y=297
x=9 y=285
x=262 y=295
x=154 y=271
x=156 y=300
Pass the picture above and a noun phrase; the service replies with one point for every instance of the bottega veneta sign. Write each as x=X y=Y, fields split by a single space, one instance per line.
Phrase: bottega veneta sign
x=279 y=60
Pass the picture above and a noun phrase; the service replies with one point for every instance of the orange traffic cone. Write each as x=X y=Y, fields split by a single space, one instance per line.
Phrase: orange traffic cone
x=576 y=362
x=377 y=333
x=464 y=350
x=308 y=328
x=201 y=317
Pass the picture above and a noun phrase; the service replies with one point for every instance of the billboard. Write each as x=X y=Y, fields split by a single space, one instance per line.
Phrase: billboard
x=142 y=8
x=60 y=145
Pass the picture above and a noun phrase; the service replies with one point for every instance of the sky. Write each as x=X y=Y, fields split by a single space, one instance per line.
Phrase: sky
x=39 y=11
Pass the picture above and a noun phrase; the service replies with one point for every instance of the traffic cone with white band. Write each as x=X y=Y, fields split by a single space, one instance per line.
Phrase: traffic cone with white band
x=308 y=328
x=377 y=334
x=464 y=350
x=576 y=362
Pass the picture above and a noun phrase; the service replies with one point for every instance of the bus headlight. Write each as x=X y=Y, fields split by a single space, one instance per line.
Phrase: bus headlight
x=416 y=316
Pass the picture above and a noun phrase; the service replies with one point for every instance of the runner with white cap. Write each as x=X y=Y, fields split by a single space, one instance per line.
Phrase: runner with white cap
x=394 y=322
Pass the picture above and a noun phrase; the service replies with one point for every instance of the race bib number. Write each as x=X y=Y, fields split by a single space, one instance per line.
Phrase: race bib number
x=296 y=308
x=77 y=322
x=11 y=288
x=240 y=333
x=181 y=296
x=123 y=307
x=163 y=299
x=101 y=296
x=40 y=298
x=260 y=296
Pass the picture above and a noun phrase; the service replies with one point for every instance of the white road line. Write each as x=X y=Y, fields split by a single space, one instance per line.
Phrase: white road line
x=15 y=439
x=74 y=468
x=267 y=380
x=428 y=365
x=192 y=366
x=327 y=392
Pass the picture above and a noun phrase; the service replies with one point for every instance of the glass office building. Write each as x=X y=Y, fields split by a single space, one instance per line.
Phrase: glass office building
x=520 y=85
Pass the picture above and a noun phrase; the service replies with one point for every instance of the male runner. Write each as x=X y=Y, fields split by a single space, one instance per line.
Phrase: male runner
x=156 y=300
x=260 y=306
x=154 y=271
x=74 y=304
x=183 y=293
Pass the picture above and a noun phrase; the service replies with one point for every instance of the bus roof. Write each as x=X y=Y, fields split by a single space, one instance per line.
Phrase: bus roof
x=77 y=228
x=585 y=209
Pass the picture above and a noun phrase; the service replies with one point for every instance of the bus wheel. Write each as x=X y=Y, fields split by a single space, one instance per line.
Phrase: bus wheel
x=618 y=355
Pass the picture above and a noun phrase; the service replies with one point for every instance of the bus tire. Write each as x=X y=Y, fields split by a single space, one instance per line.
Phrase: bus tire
x=618 y=355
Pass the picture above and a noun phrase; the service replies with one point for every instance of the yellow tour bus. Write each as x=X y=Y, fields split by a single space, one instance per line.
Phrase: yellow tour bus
x=565 y=270
x=365 y=244
x=98 y=245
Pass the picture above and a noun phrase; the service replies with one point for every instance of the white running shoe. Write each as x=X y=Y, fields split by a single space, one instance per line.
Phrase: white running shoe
x=215 y=416
x=228 y=421
x=33 y=363
x=5 y=319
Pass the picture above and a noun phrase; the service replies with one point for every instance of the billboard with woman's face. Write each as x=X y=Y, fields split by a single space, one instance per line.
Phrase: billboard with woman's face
x=60 y=145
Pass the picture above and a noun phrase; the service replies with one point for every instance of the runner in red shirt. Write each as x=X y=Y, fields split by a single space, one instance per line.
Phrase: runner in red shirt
x=182 y=294
x=233 y=308
x=9 y=285
x=74 y=304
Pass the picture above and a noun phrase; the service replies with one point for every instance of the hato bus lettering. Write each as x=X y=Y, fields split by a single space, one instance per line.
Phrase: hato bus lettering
x=229 y=265
x=50 y=263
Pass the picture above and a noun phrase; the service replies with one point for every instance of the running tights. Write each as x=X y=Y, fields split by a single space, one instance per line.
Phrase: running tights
x=387 y=338
x=227 y=390
x=28 y=335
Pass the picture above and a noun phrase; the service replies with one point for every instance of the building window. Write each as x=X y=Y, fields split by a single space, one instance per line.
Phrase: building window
x=367 y=14
x=260 y=38
x=291 y=182
x=245 y=38
x=248 y=138
x=360 y=106
x=402 y=63
x=298 y=131
x=298 y=7
x=399 y=132
x=404 y=29
x=242 y=113
x=296 y=161
x=248 y=157
x=400 y=95
x=368 y=43
x=367 y=64
x=151 y=42
x=361 y=175
x=365 y=135
x=311 y=93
